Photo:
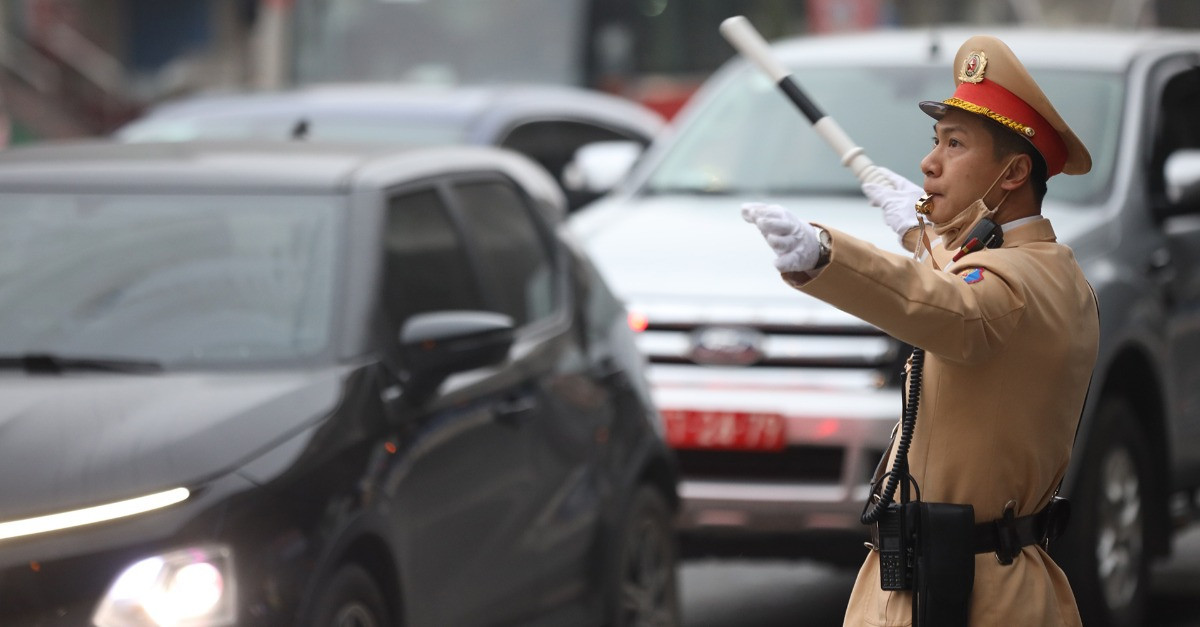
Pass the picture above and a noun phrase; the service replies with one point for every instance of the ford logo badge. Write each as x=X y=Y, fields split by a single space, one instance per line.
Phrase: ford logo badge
x=727 y=346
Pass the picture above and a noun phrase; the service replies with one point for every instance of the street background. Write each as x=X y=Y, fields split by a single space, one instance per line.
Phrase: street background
x=77 y=68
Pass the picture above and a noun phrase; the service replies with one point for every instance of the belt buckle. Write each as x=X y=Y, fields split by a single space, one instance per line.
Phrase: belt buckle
x=1008 y=543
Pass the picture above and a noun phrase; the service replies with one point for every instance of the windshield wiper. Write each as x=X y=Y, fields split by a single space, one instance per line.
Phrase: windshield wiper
x=46 y=363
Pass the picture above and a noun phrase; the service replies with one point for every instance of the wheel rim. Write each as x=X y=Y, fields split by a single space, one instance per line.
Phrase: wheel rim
x=1119 y=530
x=355 y=615
x=647 y=590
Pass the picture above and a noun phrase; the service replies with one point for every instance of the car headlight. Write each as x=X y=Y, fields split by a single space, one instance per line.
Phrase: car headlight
x=191 y=587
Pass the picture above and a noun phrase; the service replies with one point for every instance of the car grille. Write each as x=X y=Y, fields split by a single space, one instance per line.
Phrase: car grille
x=825 y=347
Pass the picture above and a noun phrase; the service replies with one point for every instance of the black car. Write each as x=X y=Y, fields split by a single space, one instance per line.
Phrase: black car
x=298 y=385
x=544 y=122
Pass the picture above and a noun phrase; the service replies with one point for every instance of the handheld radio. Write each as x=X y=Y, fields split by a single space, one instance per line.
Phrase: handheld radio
x=895 y=549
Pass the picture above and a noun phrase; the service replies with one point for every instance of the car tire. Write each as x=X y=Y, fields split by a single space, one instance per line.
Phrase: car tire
x=1103 y=550
x=350 y=598
x=642 y=581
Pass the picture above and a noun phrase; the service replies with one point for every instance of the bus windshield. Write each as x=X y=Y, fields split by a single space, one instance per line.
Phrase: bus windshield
x=652 y=51
x=440 y=41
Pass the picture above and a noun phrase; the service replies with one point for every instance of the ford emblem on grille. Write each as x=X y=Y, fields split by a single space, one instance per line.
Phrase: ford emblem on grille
x=727 y=346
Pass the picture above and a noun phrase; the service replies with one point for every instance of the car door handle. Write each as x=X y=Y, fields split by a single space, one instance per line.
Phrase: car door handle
x=514 y=409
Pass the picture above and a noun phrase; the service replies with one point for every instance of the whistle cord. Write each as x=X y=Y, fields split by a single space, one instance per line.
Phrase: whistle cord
x=907 y=426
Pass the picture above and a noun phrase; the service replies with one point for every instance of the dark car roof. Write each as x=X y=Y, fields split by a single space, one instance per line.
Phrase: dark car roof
x=255 y=167
x=483 y=112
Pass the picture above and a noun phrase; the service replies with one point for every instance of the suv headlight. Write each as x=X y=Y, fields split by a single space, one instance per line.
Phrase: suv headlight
x=191 y=587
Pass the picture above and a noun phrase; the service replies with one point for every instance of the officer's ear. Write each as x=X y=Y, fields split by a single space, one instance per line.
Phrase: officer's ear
x=1017 y=172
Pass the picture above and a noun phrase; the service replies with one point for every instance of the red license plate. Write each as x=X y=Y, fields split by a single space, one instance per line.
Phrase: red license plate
x=730 y=430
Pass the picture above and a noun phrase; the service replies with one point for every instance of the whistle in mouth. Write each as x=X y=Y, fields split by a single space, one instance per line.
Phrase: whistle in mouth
x=925 y=204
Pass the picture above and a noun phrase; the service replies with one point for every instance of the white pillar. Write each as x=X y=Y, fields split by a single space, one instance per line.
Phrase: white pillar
x=273 y=30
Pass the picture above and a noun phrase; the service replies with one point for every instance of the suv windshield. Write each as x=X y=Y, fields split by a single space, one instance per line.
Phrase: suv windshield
x=171 y=280
x=748 y=139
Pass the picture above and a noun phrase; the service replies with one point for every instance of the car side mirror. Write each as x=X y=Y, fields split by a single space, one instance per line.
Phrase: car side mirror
x=598 y=167
x=435 y=345
x=1182 y=175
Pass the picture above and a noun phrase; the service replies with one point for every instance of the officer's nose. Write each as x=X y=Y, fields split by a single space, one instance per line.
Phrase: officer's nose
x=929 y=165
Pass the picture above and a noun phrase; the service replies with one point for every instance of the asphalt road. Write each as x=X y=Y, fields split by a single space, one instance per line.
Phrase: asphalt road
x=799 y=593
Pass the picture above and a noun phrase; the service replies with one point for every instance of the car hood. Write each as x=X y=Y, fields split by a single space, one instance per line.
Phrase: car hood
x=694 y=256
x=659 y=252
x=75 y=440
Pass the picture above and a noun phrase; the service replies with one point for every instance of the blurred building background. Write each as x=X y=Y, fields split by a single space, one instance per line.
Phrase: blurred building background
x=82 y=67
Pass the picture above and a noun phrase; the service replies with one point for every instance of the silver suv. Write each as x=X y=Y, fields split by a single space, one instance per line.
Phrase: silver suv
x=779 y=405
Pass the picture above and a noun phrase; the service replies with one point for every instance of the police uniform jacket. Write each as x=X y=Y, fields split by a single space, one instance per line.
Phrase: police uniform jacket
x=1011 y=337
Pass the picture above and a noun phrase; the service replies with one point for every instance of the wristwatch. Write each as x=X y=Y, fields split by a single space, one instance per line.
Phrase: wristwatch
x=825 y=242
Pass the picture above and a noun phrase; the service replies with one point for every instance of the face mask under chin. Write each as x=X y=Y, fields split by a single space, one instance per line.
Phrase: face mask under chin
x=956 y=229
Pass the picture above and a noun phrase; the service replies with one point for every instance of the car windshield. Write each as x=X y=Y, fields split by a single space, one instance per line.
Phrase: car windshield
x=179 y=281
x=350 y=126
x=748 y=139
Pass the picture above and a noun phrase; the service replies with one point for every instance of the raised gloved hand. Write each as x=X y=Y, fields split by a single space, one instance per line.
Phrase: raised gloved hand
x=898 y=202
x=794 y=241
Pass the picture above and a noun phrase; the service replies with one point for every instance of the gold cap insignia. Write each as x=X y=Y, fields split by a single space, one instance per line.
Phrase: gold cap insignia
x=972 y=67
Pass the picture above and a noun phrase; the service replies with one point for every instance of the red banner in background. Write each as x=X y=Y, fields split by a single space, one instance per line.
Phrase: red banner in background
x=831 y=16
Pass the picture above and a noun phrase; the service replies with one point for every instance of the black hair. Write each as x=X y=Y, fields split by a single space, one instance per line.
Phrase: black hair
x=1006 y=142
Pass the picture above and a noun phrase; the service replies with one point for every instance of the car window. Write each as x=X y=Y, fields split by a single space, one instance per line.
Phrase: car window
x=1177 y=126
x=514 y=264
x=181 y=280
x=426 y=267
x=553 y=143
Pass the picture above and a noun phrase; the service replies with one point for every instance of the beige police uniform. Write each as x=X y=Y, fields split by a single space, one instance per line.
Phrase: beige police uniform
x=1011 y=337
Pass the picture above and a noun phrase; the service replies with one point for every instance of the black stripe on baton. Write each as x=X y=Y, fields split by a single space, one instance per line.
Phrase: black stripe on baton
x=807 y=107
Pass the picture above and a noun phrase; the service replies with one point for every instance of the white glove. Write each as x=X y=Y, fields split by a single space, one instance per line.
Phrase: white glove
x=795 y=242
x=898 y=203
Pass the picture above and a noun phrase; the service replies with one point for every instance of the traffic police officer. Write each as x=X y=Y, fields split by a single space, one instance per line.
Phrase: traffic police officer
x=1010 y=332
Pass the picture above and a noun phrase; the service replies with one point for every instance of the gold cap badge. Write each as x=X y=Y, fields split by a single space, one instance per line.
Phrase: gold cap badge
x=972 y=67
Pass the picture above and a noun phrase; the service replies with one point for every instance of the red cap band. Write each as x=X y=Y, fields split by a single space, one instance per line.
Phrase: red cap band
x=994 y=101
